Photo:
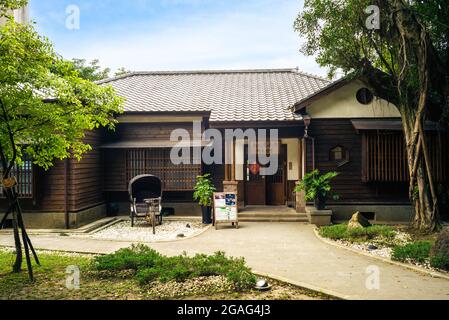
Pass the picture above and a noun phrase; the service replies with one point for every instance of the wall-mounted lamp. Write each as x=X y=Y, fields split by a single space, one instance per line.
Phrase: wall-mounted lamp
x=307 y=120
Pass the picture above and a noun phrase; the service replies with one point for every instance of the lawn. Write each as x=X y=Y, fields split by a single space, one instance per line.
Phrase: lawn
x=100 y=279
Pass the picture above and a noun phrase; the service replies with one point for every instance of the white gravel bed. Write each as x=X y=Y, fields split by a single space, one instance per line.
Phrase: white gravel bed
x=49 y=252
x=143 y=231
x=381 y=251
x=401 y=238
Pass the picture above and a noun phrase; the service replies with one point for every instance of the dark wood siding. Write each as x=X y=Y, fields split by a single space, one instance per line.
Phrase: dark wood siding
x=329 y=133
x=85 y=182
x=145 y=131
x=115 y=169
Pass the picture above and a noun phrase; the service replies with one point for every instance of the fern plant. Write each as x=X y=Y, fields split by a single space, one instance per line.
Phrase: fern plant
x=318 y=187
x=204 y=190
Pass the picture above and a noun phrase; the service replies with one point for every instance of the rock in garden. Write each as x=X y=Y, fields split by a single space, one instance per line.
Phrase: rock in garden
x=372 y=247
x=181 y=235
x=441 y=246
x=188 y=225
x=358 y=221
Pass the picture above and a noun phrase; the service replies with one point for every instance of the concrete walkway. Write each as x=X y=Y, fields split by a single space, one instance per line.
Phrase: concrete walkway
x=287 y=250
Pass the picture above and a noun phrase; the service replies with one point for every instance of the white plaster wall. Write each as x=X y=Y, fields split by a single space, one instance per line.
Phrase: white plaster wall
x=292 y=157
x=239 y=160
x=342 y=103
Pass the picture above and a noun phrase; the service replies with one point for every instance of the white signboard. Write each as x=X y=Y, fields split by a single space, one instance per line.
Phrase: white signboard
x=225 y=208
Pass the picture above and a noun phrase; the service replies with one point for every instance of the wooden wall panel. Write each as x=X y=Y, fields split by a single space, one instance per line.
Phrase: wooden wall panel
x=116 y=175
x=329 y=133
x=85 y=183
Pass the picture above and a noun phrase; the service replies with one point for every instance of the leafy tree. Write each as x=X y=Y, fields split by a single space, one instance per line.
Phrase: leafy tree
x=45 y=109
x=405 y=61
x=7 y=5
x=121 y=71
x=91 y=70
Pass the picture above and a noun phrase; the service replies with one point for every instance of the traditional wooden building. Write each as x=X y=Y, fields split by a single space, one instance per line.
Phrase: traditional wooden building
x=348 y=130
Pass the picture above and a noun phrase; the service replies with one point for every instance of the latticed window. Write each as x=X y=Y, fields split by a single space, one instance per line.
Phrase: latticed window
x=24 y=177
x=384 y=157
x=157 y=162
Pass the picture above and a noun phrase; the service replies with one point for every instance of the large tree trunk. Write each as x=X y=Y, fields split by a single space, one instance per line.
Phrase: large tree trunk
x=421 y=189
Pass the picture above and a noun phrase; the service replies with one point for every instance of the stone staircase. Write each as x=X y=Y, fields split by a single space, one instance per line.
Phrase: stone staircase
x=271 y=214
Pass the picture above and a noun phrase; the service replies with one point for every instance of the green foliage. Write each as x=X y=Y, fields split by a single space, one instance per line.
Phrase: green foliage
x=441 y=246
x=204 y=190
x=149 y=266
x=314 y=184
x=121 y=71
x=6 y=5
x=440 y=262
x=342 y=232
x=415 y=252
x=91 y=71
x=133 y=258
x=393 y=59
x=44 y=104
x=439 y=255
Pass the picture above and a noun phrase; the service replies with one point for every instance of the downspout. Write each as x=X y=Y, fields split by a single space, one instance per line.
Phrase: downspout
x=66 y=194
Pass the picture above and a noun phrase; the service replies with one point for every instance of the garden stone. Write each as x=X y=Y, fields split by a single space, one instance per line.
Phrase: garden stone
x=441 y=246
x=188 y=226
x=358 y=221
x=181 y=235
x=372 y=247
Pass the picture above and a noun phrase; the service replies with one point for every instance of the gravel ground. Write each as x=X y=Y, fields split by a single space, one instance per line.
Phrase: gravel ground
x=142 y=231
x=376 y=246
x=384 y=251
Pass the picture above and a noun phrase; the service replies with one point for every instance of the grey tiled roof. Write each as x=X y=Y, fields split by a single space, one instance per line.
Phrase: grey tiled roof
x=233 y=95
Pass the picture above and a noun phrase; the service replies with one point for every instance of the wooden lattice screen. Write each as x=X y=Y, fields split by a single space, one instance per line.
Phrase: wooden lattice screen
x=24 y=176
x=384 y=157
x=157 y=162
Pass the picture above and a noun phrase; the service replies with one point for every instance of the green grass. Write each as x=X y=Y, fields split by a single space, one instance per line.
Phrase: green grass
x=342 y=232
x=50 y=279
x=116 y=282
x=418 y=251
x=149 y=266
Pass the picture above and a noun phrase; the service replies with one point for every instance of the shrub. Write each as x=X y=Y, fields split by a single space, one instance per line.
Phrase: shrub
x=242 y=277
x=335 y=232
x=440 y=262
x=317 y=185
x=204 y=190
x=133 y=258
x=150 y=266
x=416 y=252
x=440 y=251
x=342 y=232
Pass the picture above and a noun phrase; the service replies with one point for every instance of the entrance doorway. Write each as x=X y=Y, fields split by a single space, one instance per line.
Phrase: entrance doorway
x=266 y=190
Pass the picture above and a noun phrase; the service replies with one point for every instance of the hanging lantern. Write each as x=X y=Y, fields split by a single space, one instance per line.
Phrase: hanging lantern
x=254 y=168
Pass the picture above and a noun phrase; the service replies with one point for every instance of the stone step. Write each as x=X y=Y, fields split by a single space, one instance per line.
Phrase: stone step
x=272 y=215
x=273 y=219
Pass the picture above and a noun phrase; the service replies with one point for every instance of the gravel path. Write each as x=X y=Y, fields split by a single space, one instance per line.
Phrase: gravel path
x=142 y=231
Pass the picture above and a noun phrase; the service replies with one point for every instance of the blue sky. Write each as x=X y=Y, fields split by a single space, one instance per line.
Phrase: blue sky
x=177 y=34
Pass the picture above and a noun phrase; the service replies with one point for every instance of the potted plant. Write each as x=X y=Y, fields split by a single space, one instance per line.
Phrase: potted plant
x=203 y=192
x=317 y=188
